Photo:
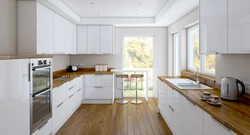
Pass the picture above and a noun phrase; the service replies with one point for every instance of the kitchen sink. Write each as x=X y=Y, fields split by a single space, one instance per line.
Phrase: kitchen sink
x=62 y=78
x=187 y=84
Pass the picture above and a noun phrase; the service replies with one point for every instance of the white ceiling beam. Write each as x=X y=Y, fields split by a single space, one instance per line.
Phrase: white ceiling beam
x=118 y=20
x=164 y=9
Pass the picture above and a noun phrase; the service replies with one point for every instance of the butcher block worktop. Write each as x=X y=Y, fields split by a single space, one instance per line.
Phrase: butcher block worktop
x=74 y=75
x=233 y=114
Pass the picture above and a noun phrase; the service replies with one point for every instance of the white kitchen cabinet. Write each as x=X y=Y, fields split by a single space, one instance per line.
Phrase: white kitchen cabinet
x=81 y=40
x=213 y=26
x=107 y=39
x=71 y=104
x=98 y=89
x=238 y=26
x=14 y=97
x=74 y=38
x=161 y=95
x=71 y=87
x=68 y=37
x=212 y=126
x=59 y=115
x=59 y=94
x=98 y=80
x=98 y=92
x=93 y=39
x=59 y=34
x=192 y=118
x=174 y=99
x=35 y=28
x=45 y=129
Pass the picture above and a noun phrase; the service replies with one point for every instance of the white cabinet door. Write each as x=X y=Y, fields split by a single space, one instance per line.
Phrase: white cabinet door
x=68 y=37
x=79 y=96
x=106 y=39
x=74 y=39
x=238 y=26
x=98 y=80
x=71 y=105
x=59 y=94
x=212 y=126
x=71 y=87
x=192 y=118
x=45 y=30
x=213 y=26
x=161 y=95
x=14 y=97
x=175 y=100
x=98 y=92
x=81 y=40
x=59 y=34
x=93 y=39
x=59 y=116
x=45 y=129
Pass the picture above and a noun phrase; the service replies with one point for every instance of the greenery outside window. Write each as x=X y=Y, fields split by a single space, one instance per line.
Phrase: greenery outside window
x=205 y=63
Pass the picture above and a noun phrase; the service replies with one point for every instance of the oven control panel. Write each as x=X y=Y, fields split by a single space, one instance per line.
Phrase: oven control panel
x=41 y=62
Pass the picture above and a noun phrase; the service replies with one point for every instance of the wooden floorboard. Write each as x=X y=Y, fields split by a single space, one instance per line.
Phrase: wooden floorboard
x=116 y=119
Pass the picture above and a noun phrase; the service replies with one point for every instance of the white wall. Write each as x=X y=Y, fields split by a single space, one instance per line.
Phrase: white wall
x=180 y=27
x=116 y=61
x=60 y=62
x=8 y=26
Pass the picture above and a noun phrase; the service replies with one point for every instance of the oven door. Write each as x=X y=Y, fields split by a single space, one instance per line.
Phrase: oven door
x=40 y=109
x=41 y=78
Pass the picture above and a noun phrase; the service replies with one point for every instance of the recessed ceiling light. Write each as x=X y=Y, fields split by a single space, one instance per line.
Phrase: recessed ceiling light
x=139 y=3
x=98 y=13
x=136 y=13
x=91 y=3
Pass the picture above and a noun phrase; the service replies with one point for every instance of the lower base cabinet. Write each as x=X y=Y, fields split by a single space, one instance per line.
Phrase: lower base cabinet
x=214 y=127
x=59 y=116
x=45 y=129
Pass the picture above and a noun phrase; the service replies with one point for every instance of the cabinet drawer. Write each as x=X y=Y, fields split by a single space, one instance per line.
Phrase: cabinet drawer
x=59 y=94
x=78 y=82
x=59 y=116
x=71 y=87
x=71 y=104
x=98 y=92
x=99 y=80
x=45 y=129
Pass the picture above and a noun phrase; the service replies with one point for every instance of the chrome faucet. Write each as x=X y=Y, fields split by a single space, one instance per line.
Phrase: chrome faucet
x=197 y=76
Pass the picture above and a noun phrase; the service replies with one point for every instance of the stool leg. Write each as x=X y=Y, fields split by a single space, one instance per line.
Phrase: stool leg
x=136 y=101
x=121 y=101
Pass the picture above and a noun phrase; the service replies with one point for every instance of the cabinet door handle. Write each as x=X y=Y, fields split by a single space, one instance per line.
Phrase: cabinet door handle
x=171 y=108
x=71 y=96
x=78 y=90
x=60 y=105
x=43 y=125
x=98 y=87
x=191 y=101
x=71 y=88
x=220 y=124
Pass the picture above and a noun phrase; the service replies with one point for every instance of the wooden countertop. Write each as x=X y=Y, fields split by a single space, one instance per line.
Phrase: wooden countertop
x=74 y=75
x=24 y=56
x=233 y=114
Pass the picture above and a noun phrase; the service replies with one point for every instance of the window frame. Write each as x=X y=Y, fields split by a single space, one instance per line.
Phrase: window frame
x=176 y=58
x=190 y=55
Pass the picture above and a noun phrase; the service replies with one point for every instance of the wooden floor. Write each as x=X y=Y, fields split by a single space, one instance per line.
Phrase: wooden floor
x=116 y=119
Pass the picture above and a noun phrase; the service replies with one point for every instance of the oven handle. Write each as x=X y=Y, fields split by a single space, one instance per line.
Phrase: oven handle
x=40 y=93
x=40 y=67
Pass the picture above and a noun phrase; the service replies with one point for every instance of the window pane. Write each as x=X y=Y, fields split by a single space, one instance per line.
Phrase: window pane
x=210 y=63
x=194 y=56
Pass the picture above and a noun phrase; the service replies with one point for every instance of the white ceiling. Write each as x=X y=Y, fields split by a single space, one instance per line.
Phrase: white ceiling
x=132 y=12
x=116 y=8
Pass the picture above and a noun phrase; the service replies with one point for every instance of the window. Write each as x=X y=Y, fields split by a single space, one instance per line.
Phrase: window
x=176 y=54
x=205 y=63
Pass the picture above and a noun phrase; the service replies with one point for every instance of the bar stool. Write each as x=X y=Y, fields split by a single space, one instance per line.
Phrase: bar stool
x=136 y=101
x=122 y=76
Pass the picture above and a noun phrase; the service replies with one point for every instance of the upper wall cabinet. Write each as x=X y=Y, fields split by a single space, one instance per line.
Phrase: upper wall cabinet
x=225 y=26
x=238 y=26
x=95 y=40
x=213 y=26
x=35 y=28
x=42 y=31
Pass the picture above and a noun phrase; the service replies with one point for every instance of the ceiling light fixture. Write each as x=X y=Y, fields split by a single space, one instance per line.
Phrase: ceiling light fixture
x=91 y=3
x=136 y=13
x=139 y=3
x=98 y=13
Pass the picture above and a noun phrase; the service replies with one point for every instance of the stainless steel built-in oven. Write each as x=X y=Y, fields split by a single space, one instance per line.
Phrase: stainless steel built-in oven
x=40 y=95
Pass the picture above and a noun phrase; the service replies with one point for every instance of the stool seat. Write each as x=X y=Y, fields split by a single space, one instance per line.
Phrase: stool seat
x=136 y=75
x=121 y=75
